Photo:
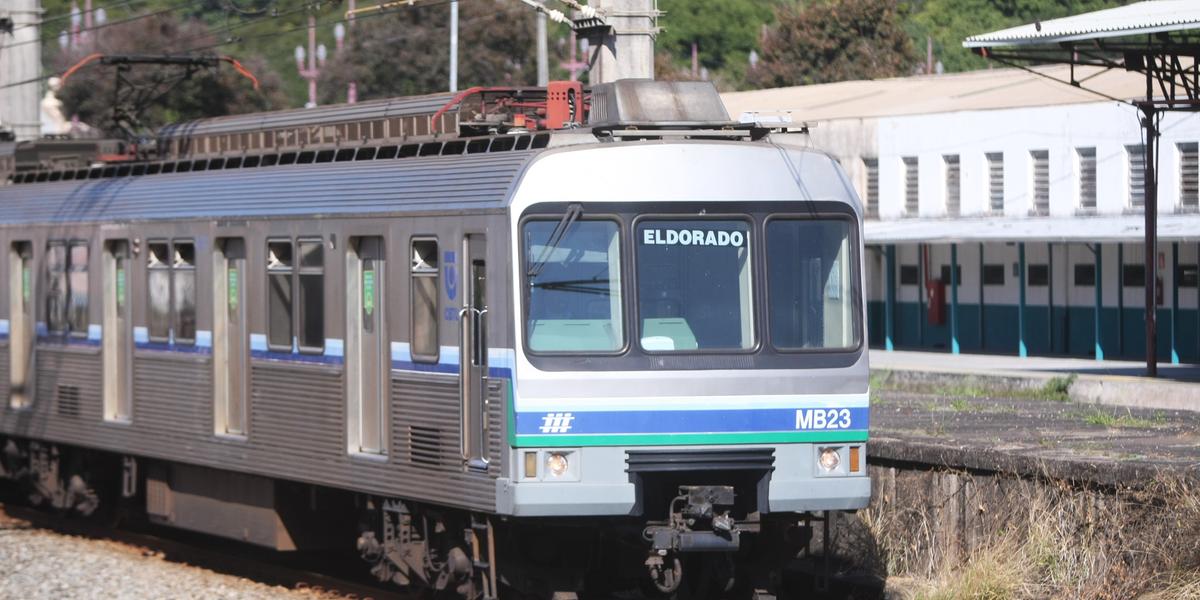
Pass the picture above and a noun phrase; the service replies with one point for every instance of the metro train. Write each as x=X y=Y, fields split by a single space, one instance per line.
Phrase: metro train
x=532 y=342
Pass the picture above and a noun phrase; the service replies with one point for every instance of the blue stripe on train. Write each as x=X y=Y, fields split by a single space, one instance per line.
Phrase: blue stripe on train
x=693 y=421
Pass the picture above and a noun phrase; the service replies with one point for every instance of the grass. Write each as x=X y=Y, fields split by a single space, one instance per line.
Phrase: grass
x=1103 y=418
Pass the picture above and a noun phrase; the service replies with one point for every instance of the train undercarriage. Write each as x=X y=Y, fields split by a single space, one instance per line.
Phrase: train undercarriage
x=701 y=540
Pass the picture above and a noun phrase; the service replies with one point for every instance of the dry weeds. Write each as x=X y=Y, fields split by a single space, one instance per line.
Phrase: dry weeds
x=1000 y=538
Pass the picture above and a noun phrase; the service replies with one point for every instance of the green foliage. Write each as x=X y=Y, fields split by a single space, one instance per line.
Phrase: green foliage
x=89 y=92
x=406 y=52
x=949 y=22
x=725 y=31
x=834 y=40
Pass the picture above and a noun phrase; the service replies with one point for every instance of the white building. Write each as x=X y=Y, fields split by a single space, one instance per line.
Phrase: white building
x=984 y=168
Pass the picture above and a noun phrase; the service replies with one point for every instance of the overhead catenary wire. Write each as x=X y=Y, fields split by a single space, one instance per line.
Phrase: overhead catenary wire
x=131 y=19
x=63 y=17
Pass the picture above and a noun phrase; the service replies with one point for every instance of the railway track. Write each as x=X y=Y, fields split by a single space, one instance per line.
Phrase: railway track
x=324 y=576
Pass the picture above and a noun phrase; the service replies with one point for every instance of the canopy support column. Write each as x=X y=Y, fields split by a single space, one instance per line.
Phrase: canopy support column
x=1021 y=349
x=1151 y=207
x=954 y=298
x=889 y=310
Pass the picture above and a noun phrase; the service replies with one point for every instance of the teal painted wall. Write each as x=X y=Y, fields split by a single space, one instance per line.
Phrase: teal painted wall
x=1068 y=331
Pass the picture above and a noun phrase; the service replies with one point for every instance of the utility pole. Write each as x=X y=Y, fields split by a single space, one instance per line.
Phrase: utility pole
x=627 y=51
x=20 y=61
x=454 y=45
x=543 y=53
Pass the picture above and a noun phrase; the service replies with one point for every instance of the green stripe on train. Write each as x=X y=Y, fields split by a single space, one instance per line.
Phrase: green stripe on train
x=667 y=439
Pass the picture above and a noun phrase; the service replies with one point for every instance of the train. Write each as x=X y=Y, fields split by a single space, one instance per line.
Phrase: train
x=557 y=342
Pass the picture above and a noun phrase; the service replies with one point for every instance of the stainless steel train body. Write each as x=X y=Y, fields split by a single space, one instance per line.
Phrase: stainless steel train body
x=575 y=329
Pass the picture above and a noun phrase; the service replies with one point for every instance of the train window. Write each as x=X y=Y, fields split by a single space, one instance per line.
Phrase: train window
x=78 y=289
x=56 y=287
x=424 y=275
x=810 y=284
x=279 y=302
x=574 y=287
x=183 y=267
x=296 y=295
x=158 y=278
x=694 y=289
x=311 y=294
x=67 y=288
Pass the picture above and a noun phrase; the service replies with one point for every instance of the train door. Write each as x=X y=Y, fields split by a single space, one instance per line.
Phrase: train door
x=368 y=358
x=117 y=347
x=473 y=352
x=21 y=320
x=229 y=337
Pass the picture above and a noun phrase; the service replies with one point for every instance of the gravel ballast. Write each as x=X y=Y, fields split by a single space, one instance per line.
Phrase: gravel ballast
x=37 y=563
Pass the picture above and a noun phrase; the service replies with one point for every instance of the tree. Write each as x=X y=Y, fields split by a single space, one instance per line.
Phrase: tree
x=724 y=31
x=949 y=22
x=834 y=40
x=88 y=93
x=407 y=52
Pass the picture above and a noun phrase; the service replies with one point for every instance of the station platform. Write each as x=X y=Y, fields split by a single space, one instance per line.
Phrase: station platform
x=1029 y=416
x=1118 y=383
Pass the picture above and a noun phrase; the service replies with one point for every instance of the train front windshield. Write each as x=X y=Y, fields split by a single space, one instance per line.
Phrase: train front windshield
x=696 y=287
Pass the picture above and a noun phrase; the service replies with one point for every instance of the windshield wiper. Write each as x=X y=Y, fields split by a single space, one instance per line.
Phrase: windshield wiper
x=576 y=285
x=568 y=219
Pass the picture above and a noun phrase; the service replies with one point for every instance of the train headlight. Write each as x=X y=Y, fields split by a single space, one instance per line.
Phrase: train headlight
x=557 y=464
x=829 y=459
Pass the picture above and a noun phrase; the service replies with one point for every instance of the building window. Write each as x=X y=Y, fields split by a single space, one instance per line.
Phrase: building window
x=871 y=167
x=67 y=288
x=995 y=161
x=1187 y=276
x=1189 y=175
x=1137 y=176
x=171 y=282
x=1039 y=275
x=1041 y=181
x=945 y=274
x=1087 y=177
x=993 y=274
x=911 y=187
x=909 y=275
x=1085 y=275
x=1133 y=275
x=424 y=275
x=953 y=185
x=296 y=295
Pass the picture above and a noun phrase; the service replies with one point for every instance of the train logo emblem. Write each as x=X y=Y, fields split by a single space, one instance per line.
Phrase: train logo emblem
x=451 y=274
x=557 y=422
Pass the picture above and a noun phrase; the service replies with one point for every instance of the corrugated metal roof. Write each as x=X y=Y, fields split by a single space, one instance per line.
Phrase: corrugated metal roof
x=1134 y=19
x=1124 y=228
x=927 y=94
x=334 y=113
x=384 y=186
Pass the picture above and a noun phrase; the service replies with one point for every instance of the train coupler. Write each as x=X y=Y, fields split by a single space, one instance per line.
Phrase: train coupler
x=699 y=522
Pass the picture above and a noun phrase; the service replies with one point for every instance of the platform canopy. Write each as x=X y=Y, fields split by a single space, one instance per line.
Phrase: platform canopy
x=1158 y=39
x=1135 y=19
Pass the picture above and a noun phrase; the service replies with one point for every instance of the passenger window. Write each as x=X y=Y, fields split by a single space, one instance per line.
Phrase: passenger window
x=56 y=287
x=311 y=287
x=296 y=295
x=158 y=278
x=279 y=301
x=77 y=286
x=67 y=288
x=183 y=267
x=424 y=276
